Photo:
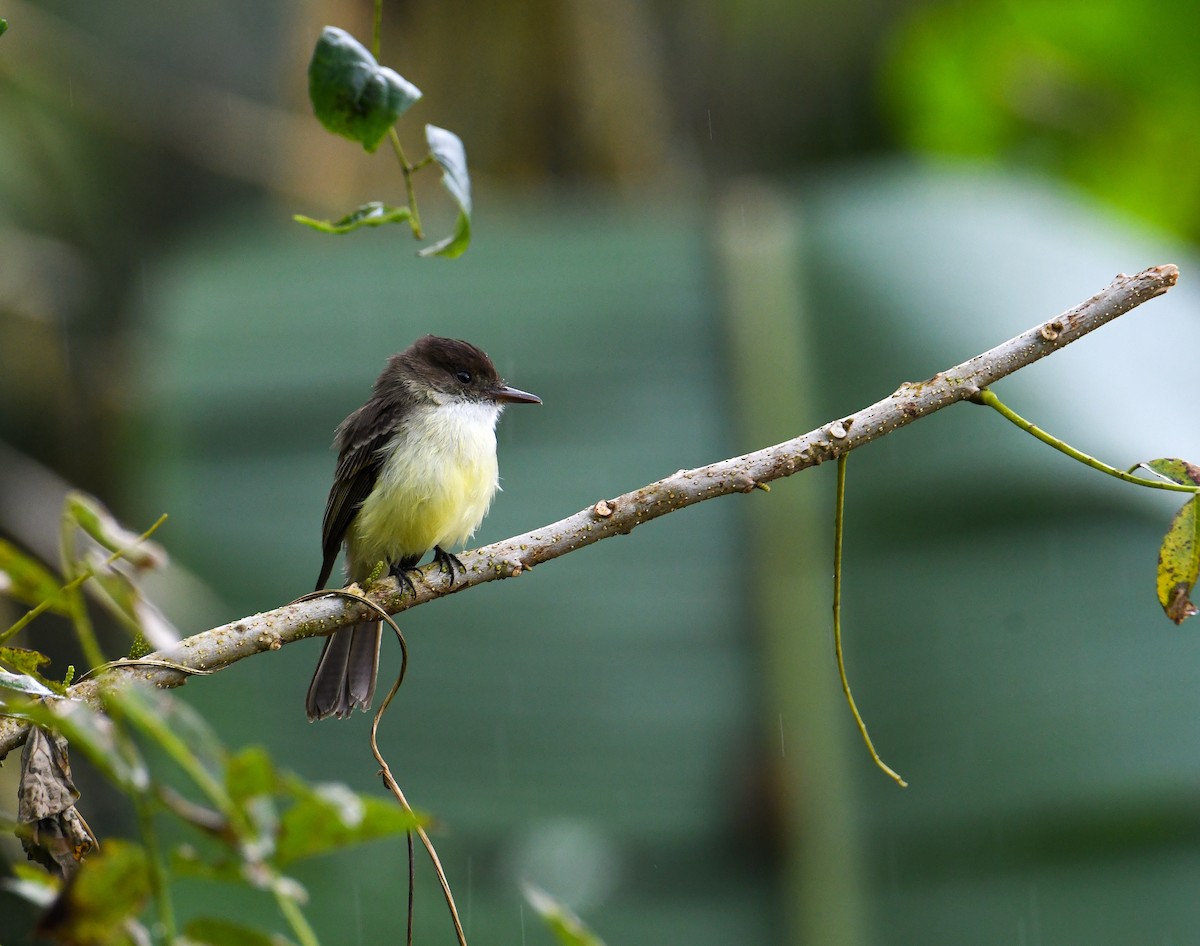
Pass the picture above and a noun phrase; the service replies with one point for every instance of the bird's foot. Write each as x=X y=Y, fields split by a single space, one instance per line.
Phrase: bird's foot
x=448 y=563
x=400 y=572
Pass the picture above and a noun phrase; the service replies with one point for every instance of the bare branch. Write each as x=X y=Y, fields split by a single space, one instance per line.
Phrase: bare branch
x=222 y=646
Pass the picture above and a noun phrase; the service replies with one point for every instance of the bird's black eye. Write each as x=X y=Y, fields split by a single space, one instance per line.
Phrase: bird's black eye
x=464 y=377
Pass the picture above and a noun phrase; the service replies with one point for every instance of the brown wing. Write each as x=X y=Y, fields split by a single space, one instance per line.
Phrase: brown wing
x=361 y=438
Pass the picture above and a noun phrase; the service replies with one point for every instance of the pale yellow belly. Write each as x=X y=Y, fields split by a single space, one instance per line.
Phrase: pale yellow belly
x=434 y=489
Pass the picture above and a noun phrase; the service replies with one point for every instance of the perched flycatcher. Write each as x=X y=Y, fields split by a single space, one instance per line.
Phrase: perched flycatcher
x=416 y=471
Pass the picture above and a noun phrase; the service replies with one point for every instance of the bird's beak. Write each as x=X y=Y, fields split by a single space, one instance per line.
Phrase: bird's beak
x=506 y=395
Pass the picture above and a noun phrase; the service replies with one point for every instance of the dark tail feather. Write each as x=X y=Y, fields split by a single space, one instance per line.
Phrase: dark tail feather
x=345 y=676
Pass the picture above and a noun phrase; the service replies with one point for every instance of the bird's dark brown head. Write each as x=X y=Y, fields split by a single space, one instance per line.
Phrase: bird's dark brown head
x=454 y=368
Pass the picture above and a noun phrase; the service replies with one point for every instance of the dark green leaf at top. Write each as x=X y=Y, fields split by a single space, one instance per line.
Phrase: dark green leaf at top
x=352 y=95
x=447 y=149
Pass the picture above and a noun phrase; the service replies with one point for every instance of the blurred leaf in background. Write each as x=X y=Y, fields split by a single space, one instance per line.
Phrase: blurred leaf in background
x=1106 y=95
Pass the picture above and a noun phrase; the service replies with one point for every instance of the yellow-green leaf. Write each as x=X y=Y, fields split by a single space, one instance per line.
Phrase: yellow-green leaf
x=1179 y=563
x=24 y=579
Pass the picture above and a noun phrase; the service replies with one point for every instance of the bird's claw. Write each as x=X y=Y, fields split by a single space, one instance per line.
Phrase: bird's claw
x=448 y=563
x=400 y=573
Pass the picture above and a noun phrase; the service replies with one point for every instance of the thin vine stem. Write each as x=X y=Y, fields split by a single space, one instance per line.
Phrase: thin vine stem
x=989 y=399
x=839 y=505
x=407 y=170
x=394 y=787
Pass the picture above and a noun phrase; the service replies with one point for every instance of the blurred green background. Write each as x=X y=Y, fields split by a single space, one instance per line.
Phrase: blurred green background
x=699 y=228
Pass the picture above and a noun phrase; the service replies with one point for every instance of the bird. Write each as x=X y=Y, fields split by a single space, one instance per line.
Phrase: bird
x=416 y=472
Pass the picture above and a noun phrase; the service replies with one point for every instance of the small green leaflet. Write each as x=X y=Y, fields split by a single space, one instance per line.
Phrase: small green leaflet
x=374 y=214
x=447 y=149
x=3 y=25
x=351 y=94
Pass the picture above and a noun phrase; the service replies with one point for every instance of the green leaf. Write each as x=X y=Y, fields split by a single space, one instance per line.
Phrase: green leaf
x=26 y=580
x=447 y=149
x=1177 y=471
x=26 y=661
x=101 y=525
x=249 y=774
x=352 y=95
x=568 y=929
x=23 y=683
x=326 y=818
x=1179 y=563
x=110 y=889
x=373 y=214
x=3 y=25
x=218 y=932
